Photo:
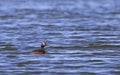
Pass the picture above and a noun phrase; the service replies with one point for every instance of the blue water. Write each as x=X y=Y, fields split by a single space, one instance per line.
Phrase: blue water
x=82 y=36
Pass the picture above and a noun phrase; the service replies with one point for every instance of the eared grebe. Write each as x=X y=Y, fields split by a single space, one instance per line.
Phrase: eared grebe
x=41 y=50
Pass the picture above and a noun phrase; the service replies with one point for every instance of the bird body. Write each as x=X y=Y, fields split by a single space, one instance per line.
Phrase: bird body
x=41 y=50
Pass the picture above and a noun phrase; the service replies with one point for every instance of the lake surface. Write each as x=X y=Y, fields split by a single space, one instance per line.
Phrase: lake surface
x=82 y=36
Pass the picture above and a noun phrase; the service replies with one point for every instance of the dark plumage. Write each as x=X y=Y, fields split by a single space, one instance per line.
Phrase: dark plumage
x=41 y=50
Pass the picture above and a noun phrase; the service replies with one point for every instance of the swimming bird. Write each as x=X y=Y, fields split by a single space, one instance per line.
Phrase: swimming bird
x=41 y=50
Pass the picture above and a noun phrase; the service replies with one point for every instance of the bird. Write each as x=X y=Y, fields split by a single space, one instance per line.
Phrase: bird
x=41 y=50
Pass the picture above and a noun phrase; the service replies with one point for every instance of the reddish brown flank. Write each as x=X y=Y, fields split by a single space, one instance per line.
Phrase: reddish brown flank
x=41 y=52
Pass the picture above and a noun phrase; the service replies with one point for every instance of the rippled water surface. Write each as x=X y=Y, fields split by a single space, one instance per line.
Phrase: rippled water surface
x=82 y=36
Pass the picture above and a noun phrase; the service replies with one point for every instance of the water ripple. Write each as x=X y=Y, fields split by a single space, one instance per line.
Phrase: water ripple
x=83 y=37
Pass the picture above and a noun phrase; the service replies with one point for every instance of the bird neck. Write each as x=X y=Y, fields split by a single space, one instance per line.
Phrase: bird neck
x=42 y=46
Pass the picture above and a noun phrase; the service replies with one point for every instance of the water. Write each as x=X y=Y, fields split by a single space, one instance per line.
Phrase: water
x=82 y=36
